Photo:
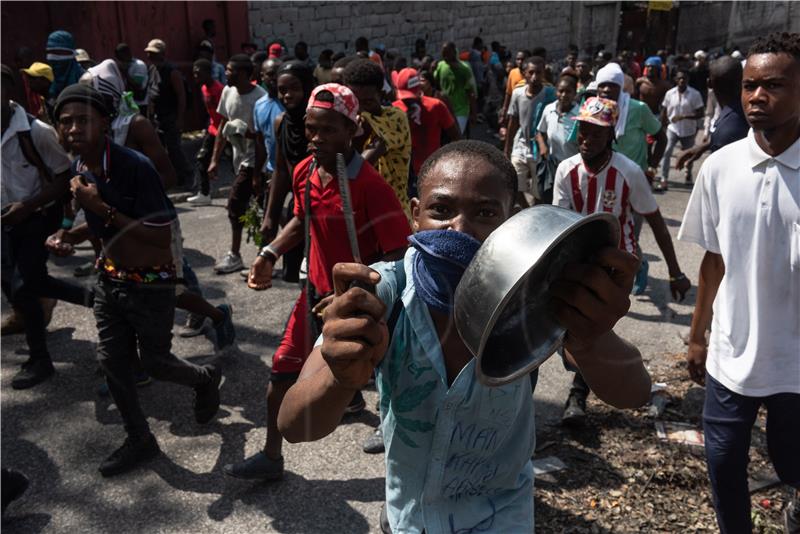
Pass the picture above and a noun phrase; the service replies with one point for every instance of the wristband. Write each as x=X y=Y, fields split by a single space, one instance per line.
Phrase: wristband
x=269 y=252
x=66 y=223
x=678 y=278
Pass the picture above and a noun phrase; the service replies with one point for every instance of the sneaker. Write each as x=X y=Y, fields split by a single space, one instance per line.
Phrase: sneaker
x=791 y=515
x=133 y=452
x=33 y=372
x=374 y=443
x=206 y=401
x=226 y=333
x=199 y=200
x=257 y=467
x=195 y=326
x=141 y=379
x=574 y=410
x=84 y=270
x=640 y=282
x=13 y=485
x=13 y=324
x=356 y=405
x=230 y=263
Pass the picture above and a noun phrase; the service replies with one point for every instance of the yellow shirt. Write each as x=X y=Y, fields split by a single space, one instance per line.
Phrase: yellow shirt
x=392 y=127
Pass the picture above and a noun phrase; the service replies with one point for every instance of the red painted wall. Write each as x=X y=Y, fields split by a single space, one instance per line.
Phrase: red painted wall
x=99 y=26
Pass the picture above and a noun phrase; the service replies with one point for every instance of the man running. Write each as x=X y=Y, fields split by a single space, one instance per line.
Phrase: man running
x=125 y=205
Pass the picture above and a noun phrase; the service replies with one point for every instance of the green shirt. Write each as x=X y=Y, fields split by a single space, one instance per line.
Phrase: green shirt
x=456 y=83
x=641 y=122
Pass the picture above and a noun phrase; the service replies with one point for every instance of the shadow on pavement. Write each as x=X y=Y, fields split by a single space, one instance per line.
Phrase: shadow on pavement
x=326 y=502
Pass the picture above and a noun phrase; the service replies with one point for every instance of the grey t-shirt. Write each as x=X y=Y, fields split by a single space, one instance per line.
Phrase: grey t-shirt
x=233 y=106
x=523 y=107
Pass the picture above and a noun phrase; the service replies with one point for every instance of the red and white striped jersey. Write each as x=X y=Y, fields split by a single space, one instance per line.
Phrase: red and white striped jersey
x=618 y=188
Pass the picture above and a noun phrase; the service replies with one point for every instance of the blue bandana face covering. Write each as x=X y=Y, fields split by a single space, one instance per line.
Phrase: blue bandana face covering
x=442 y=257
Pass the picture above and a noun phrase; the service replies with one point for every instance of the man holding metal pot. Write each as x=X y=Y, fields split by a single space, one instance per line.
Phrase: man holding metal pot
x=457 y=452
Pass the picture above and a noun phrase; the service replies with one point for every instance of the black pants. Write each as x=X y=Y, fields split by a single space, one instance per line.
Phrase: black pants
x=171 y=138
x=25 y=279
x=728 y=420
x=579 y=386
x=131 y=316
x=203 y=160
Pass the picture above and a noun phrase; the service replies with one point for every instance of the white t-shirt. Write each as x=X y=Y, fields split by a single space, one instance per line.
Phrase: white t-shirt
x=687 y=103
x=744 y=206
x=618 y=188
x=21 y=180
x=234 y=106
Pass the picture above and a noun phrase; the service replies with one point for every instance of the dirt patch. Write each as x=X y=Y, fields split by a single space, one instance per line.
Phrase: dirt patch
x=620 y=477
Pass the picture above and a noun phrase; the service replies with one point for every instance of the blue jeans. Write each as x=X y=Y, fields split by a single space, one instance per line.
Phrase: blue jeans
x=728 y=419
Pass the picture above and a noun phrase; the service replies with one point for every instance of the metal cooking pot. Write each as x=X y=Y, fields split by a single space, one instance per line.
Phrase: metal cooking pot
x=502 y=302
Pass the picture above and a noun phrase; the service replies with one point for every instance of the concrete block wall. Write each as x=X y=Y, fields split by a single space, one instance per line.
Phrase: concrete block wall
x=397 y=25
x=711 y=25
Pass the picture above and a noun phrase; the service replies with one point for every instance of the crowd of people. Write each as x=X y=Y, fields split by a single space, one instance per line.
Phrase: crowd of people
x=363 y=160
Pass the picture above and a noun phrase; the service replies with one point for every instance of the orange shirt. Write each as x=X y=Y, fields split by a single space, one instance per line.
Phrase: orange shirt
x=514 y=77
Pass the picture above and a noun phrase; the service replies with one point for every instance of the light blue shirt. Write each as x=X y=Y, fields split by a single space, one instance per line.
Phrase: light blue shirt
x=265 y=112
x=560 y=128
x=458 y=458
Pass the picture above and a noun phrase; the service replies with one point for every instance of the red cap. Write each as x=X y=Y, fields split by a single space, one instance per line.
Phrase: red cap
x=407 y=83
x=275 y=50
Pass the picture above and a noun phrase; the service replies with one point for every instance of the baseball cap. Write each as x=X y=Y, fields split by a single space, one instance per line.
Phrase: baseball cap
x=600 y=111
x=344 y=101
x=40 y=70
x=275 y=50
x=156 y=46
x=407 y=83
x=82 y=55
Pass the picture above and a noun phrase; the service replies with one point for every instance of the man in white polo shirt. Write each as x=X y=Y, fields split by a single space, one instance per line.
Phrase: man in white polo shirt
x=681 y=109
x=599 y=178
x=744 y=212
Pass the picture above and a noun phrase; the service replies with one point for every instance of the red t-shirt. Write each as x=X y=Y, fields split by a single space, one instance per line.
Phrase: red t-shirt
x=381 y=223
x=426 y=137
x=211 y=96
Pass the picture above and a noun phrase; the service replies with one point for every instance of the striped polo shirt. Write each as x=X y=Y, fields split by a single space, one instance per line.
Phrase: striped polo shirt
x=618 y=188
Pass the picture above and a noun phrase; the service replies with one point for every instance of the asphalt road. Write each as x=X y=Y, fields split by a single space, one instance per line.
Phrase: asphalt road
x=60 y=431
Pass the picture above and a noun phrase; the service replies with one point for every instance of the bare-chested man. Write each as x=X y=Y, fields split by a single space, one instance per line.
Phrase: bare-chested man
x=651 y=88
